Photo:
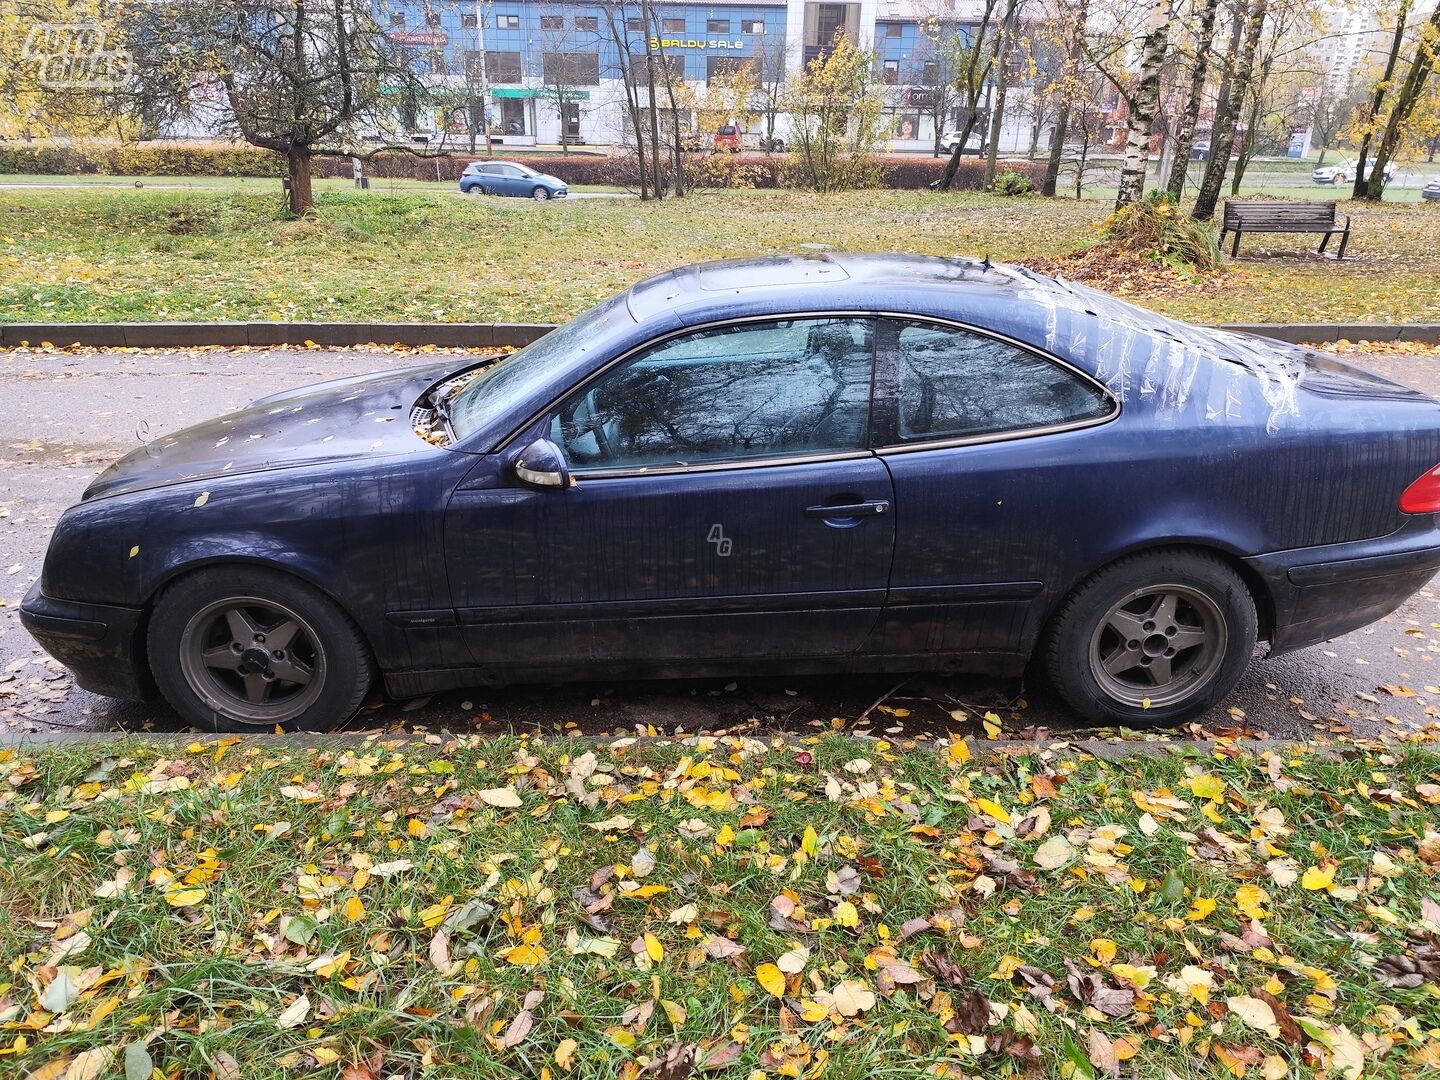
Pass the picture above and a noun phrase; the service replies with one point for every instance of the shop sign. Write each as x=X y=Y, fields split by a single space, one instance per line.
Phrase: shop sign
x=697 y=43
x=434 y=38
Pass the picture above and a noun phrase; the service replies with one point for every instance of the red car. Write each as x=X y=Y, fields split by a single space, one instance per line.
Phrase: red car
x=728 y=138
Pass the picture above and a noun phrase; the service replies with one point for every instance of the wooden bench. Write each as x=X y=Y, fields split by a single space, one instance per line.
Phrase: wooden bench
x=1273 y=216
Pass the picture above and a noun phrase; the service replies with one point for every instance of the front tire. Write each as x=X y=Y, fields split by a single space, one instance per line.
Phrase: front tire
x=1155 y=638
x=540 y=194
x=241 y=648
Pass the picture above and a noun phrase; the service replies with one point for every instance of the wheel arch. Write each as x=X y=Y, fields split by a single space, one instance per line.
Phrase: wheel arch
x=181 y=570
x=1230 y=556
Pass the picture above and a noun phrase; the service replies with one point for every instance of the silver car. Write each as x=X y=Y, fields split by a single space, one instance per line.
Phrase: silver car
x=1431 y=191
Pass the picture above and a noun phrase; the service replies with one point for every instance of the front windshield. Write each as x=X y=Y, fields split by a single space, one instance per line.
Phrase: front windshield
x=504 y=386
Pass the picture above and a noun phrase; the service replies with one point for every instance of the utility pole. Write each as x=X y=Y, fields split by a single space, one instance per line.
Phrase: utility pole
x=480 y=6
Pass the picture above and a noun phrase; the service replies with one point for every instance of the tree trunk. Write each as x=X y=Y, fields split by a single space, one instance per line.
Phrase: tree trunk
x=974 y=81
x=1143 y=104
x=302 y=196
x=658 y=172
x=1227 y=116
x=1057 y=151
x=1002 y=85
x=1361 y=188
x=1247 y=147
x=1185 y=136
x=1410 y=90
x=1049 y=185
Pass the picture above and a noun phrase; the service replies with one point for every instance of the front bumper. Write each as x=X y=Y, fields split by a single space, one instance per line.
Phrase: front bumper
x=1319 y=593
x=100 y=644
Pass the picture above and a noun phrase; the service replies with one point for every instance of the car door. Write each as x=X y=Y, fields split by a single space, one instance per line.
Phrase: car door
x=725 y=505
x=501 y=179
x=996 y=468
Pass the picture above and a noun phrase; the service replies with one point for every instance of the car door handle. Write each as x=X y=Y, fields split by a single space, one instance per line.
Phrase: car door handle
x=849 y=510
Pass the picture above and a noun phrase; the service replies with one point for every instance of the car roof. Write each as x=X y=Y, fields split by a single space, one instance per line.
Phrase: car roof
x=1128 y=348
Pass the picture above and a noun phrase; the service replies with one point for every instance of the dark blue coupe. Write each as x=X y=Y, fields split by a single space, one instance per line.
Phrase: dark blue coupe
x=791 y=464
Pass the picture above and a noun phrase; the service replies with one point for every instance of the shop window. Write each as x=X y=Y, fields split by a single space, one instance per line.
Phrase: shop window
x=717 y=26
x=469 y=22
x=890 y=73
x=752 y=26
x=587 y=22
x=502 y=67
x=571 y=68
x=673 y=26
x=552 y=22
x=893 y=30
x=507 y=22
x=397 y=21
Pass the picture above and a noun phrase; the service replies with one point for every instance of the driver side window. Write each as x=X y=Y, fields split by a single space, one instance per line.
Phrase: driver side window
x=789 y=387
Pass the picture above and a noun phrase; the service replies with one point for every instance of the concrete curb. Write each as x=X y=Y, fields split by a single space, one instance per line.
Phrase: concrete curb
x=159 y=335
x=1325 y=333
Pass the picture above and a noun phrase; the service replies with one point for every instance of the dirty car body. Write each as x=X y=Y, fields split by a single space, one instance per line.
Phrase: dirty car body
x=793 y=464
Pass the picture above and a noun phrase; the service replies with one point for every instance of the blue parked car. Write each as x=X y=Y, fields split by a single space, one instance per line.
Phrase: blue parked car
x=510 y=178
x=789 y=464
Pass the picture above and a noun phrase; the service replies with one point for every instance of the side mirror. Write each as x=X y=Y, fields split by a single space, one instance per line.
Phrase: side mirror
x=542 y=465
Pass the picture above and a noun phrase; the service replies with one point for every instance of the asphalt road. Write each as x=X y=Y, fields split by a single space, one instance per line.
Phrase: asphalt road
x=67 y=414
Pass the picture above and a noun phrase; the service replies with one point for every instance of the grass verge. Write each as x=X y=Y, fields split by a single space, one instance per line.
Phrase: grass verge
x=76 y=255
x=733 y=908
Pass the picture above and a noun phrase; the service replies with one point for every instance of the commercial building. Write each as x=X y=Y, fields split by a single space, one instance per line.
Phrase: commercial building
x=552 y=72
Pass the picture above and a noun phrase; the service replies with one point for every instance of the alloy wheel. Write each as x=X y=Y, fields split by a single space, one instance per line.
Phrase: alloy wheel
x=253 y=660
x=1158 y=645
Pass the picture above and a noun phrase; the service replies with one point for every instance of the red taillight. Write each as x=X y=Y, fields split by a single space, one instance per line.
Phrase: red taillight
x=1423 y=496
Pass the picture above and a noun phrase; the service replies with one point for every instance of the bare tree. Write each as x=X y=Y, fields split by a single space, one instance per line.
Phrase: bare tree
x=1227 y=115
x=617 y=26
x=1068 y=87
x=1004 y=41
x=975 y=70
x=936 y=67
x=1329 y=112
x=293 y=76
x=771 y=72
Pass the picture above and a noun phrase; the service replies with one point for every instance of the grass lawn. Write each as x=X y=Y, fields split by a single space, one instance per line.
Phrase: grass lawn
x=837 y=908
x=118 y=254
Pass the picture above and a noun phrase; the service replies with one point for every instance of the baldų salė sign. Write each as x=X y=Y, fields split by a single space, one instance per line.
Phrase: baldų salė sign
x=696 y=43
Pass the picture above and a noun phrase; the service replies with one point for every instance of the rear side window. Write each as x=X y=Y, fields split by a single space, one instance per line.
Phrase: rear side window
x=953 y=384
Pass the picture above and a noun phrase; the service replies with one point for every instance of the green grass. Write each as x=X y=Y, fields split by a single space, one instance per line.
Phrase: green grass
x=249 y=891
x=123 y=254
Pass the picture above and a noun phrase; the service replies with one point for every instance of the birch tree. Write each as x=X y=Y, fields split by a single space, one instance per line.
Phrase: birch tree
x=1227 y=115
x=1204 y=37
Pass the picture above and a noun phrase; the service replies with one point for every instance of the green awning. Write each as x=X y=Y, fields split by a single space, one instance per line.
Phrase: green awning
x=501 y=92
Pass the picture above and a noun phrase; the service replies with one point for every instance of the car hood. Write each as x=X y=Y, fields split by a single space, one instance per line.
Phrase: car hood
x=551 y=180
x=363 y=416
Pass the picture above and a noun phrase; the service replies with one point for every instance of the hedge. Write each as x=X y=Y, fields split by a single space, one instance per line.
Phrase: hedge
x=712 y=170
x=197 y=159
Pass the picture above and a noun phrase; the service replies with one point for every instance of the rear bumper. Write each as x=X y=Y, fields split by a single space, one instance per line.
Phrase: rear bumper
x=1322 y=592
x=100 y=644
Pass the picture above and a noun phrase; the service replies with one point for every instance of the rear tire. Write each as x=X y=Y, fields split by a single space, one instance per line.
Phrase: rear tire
x=244 y=648
x=1154 y=638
